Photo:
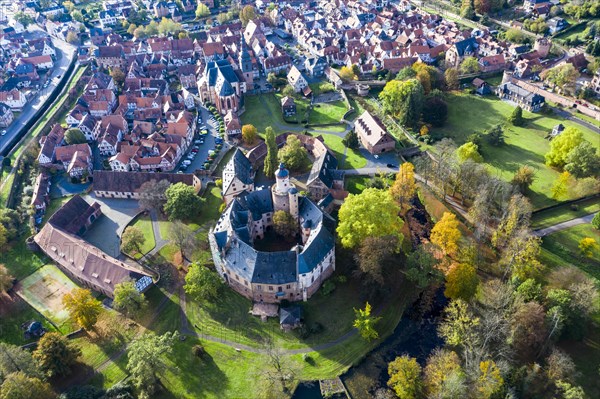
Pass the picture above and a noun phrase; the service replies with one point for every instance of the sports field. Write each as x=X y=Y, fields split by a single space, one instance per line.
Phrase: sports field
x=44 y=291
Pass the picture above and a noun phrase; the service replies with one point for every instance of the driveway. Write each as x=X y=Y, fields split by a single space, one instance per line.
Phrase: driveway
x=64 y=55
x=106 y=230
x=564 y=225
x=62 y=186
x=382 y=161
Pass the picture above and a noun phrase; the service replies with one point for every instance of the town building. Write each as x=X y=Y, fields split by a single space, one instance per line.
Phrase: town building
x=372 y=134
x=112 y=184
x=527 y=100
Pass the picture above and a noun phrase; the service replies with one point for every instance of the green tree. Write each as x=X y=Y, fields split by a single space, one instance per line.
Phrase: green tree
x=467 y=9
x=529 y=290
x=55 y=354
x=495 y=135
x=247 y=14
x=132 y=240
x=461 y=282
x=202 y=10
x=20 y=386
x=288 y=91
x=422 y=267
x=74 y=136
x=365 y=323
x=446 y=234
x=562 y=145
x=469 y=65
x=293 y=154
x=6 y=280
x=182 y=202
x=77 y=15
x=559 y=188
x=451 y=77
x=118 y=76
x=435 y=110
x=351 y=140
x=14 y=359
x=516 y=118
x=596 y=221
x=128 y=299
x=201 y=283
x=249 y=134
x=82 y=307
x=515 y=35
x=145 y=360
x=372 y=213
x=412 y=108
x=469 y=152
x=270 y=163
x=405 y=377
x=583 y=161
x=23 y=19
x=403 y=99
x=284 y=224
x=458 y=326
x=443 y=376
x=562 y=76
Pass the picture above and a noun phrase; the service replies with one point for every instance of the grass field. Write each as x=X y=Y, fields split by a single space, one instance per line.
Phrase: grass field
x=550 y=217
x=524 y=145
x=561 y=249
x=14 y=311
x=144 y=223
x=19 y=259
x=354 y=158
x=327 y=112
x=44 y=291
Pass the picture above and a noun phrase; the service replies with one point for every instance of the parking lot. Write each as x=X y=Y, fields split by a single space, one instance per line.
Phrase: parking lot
x=198 y=161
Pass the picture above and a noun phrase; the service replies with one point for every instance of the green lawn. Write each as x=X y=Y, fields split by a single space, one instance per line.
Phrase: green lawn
x=144 y=223
x=327 y=112
x=14 y=311
x=561 y=249
x=356 y=184
x=550 y=217
x=262 y=116
x=19 y=260
x=53 y=206
x=354 y=158
x=524 y=145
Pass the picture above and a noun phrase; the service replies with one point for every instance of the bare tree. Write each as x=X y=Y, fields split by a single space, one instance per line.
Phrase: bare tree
x=152 y=195
x=182 y=237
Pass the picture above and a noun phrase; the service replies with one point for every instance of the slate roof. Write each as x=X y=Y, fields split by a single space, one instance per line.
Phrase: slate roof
x=290 y=316
x=322 y=168
x=466 y=46
x=238 y=166
x=73 y=215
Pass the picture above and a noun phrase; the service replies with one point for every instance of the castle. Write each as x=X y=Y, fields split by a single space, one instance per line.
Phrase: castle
x=264 y=276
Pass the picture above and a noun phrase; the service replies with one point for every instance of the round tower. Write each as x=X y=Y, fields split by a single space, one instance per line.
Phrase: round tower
x=293 y=199
x=280 y=189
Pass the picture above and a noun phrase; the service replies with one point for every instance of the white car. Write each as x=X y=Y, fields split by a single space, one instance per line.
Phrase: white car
x=3 y=132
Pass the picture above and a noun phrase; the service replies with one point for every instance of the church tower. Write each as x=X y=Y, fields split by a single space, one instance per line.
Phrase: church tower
x=245 y=62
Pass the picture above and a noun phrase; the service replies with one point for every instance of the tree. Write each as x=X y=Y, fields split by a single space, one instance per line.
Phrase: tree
x=202 y=10
x=118 y=76
x=128 y=299
x=583 y=161
x=560 y=366
x=72 y=37
x=6 y=280
x=528 y=330
x=490 y=381
x=596 y=221
x=461 y=282
x=20 y=386
x=285 y=224
x=413 y=105
x=459 y=323
x=351 y=140
x=443 y=376
x=201 y=283
x=516 y=118
x=561 y=146
x=82 y=307
x=520 y=256
x=405 y=377
x=3 y=236
x=132 y=240
x=249 y=134
x=167 y=26
x=562 y=77
x=446 y=234
x=77 y=15
x=422 y=267
x=372 y=213
x=469 y=65
x=435 y=111
x=495 y=135
x=372 y=256
x=55 y=354
x=152 y=194
x=288 y=91
x=182 y=201
x=451 y=78
x=74 y=136
x=145 y=360
x=404 y=100
x=467 y=9
x=516 y=218
x=270 y=163
x=182 y=237
x=469 y=152
x=16 y=359
x=347 y=74
x=404 y=187
x=529 y=290
x=365 y=323
x=293 y=154
x=23 y=19
x=559 y=188
x=247 y=14
x=524 y=178
x=515 y=35
x=587 y=246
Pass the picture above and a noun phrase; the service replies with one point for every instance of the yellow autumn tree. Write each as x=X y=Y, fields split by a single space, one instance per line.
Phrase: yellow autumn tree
x=404 y=187
x=461 y=282
x=588 y=246
x=559 y=189
x=445 y=234
x=490 y=380
x=82 y=307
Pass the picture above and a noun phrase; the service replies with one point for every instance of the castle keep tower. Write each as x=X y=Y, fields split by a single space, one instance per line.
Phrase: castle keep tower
x=285 y=195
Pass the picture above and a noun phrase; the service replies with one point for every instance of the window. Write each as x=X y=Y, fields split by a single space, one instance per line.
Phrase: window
x=270 y=288
x=288 y=286
x=259 y=287
x=279 y=289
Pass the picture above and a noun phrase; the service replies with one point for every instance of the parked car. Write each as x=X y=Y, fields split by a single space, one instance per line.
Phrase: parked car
x=391 y=165
x=376 y=156
x=3 y=132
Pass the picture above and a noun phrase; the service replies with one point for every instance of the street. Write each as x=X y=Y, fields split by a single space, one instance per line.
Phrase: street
x=209 y=142
x=64 y=55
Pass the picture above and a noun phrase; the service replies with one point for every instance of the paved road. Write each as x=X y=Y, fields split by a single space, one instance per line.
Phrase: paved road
x=564 y=225
x=65 y=53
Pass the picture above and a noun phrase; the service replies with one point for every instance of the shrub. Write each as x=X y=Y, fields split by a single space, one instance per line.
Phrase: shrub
x=219 y=183
x=198 y=350
x=328 y=287
x=596 y=221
